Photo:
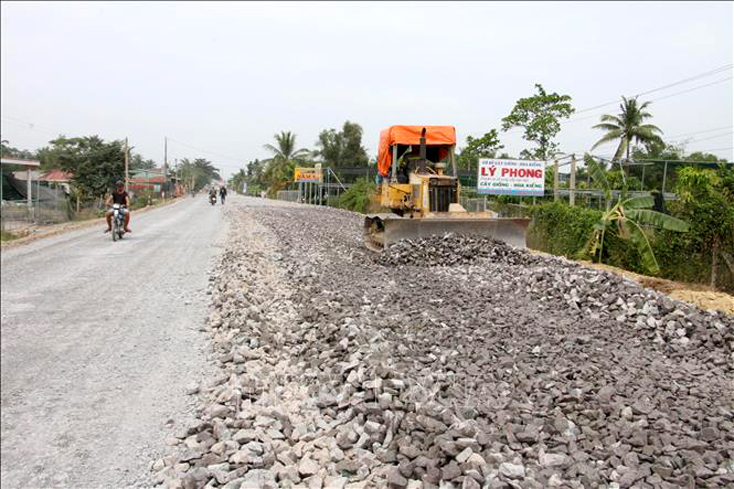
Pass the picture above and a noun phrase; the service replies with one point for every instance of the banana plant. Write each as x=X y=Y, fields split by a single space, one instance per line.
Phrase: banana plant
x=627 y=217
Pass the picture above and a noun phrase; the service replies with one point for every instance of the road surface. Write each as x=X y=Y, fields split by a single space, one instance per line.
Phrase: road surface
x=99 y=340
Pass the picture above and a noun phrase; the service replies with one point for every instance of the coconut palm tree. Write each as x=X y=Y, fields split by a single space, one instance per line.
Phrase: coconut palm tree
x=628 y=126
x=285 y=150
x=285 y=156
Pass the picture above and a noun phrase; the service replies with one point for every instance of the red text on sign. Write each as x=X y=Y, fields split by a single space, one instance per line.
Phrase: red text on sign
x=522 y=172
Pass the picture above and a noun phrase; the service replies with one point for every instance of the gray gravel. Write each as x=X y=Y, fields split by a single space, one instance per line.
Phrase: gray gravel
x=99 y=340
x=339 y=368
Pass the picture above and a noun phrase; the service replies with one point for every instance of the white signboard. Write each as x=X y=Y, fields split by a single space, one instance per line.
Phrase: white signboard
x=511 y=177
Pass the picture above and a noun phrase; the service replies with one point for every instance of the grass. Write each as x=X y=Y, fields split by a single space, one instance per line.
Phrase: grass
x=7 y=236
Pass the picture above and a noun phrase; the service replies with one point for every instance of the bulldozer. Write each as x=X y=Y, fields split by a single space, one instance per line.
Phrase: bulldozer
x=422 y=197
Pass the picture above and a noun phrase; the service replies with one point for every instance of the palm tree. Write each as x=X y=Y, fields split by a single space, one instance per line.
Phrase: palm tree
x=197 y=173
x=286 y=148
x=285 y=156
x=238 y=180
x=628 y=126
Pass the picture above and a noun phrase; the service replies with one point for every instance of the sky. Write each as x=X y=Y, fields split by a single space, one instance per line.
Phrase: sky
x=219 y=79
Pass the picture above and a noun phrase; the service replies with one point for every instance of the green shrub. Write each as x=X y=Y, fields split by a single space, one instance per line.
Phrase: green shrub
x=679 y=257
x=143 y=199
x=7 y=236
x=358 y=197
x=560 y=229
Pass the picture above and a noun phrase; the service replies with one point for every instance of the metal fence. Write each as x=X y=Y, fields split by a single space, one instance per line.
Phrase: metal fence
x=48 y=205
x=474 y=204
x=320 y=193
x=287 y=195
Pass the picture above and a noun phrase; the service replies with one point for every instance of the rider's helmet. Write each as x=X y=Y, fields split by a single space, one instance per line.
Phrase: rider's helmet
x=119 y=183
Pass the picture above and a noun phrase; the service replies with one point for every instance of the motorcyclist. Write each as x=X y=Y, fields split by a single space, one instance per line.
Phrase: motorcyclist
x=119 y=196
x=222 y=193
x=213 y=193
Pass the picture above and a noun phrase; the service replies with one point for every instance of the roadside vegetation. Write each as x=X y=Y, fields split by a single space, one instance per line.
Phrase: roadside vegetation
x=94 y=165
x=7 y=236
x=685 y=240
x=703 y=254
x=690 y=239
x=359 y=197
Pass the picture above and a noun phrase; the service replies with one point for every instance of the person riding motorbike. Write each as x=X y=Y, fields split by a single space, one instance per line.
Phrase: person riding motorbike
x=222 y=193
x=119 y=196
x=213 y=193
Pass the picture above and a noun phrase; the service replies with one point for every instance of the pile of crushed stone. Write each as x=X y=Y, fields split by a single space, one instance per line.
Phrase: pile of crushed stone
x=452 y=249
x=339 y=372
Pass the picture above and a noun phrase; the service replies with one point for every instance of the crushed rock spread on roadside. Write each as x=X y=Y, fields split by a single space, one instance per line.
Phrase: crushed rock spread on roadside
x=453 y=362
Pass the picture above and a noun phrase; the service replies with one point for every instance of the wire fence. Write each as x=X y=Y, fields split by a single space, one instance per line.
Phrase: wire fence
x=572 y=185
x=287 y=195
x=18 y=216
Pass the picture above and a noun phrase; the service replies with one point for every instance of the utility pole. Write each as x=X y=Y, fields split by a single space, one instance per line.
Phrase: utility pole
x=127 y=176
x=555 y=181
x=572 y=195
x=165 y=164
x=178 y=176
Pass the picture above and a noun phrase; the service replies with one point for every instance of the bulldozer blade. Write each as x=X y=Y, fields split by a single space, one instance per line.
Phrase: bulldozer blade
x=384 y=231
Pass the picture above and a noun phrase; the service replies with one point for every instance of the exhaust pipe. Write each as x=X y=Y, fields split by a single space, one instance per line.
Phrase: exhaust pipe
x=422 y=164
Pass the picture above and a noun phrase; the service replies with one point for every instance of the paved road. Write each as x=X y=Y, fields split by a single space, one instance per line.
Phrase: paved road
x=99 y=340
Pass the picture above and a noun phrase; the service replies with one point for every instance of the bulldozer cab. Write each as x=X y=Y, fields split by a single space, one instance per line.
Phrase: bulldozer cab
x=420 y=149
x=410 y=159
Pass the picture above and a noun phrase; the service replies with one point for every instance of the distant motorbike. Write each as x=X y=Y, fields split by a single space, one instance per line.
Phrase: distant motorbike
x=213 y=199
x=118 y=222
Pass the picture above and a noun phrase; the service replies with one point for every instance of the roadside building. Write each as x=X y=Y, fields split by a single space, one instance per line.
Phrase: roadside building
x=57 y=178
x=149 y=181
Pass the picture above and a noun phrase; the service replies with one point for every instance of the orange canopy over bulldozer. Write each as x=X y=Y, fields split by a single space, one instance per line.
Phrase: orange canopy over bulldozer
x=442 y=136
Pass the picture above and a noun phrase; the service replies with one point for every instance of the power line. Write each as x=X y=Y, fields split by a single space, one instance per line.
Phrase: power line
x=714 y=149
x=31 y=126
x=701 y=132
x=670 y=85
x=35 y=127
x=205 y=151
x=664 y=87
x=692 y=89
x=574 y=119
x=707 y=138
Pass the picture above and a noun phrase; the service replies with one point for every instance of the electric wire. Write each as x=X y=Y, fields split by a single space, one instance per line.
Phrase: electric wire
x=705 y=139
x=664 y=87
x=701 y=132
x=692 y=89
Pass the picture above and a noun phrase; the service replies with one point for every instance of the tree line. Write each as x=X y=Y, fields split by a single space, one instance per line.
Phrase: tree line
x=95 y=164
x=335 y=149
x=539 y=116
x=698 y=228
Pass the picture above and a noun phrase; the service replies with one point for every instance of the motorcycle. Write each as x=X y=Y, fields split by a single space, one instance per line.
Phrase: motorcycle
x=213 y=199
x=118 y=222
